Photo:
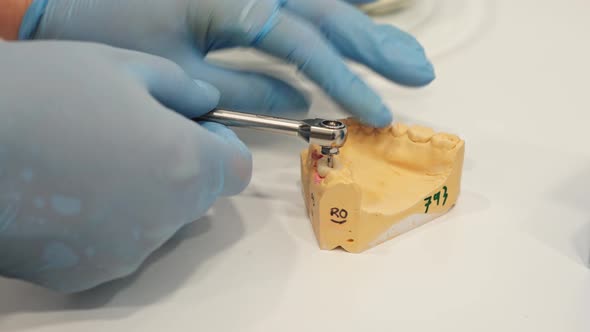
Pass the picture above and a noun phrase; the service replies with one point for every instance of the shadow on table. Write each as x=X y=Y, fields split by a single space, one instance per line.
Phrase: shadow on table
x=568 y=236
x=574 y=193
x=581 y=241
x=163 y=273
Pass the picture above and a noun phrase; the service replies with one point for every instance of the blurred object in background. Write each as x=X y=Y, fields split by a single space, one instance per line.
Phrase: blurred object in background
x=384 y=7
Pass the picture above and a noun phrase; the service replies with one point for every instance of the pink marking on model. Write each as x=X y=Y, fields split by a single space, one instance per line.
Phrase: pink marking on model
x=316 y=156
x=317 y=178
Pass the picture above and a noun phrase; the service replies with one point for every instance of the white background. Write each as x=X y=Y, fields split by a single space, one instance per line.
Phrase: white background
x=514 y=255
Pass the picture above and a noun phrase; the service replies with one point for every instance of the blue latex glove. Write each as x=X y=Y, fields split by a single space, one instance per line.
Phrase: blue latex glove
x=312 y=34
x=98 y=167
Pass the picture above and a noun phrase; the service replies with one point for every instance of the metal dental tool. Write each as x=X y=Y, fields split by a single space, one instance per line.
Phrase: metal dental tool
x=329 y=134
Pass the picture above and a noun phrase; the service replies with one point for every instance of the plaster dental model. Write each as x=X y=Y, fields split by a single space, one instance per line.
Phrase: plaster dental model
x=385 y=182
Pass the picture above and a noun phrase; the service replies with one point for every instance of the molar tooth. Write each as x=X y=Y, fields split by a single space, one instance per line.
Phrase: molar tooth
x=350 y=123
x=420 y=134
x=445 y=141
x=323 y=169
x=384 y=130
x=367 y=130
x=353 y=127
x=399 y=129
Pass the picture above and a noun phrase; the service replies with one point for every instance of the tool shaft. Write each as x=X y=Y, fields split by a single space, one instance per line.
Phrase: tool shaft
x=253 y=121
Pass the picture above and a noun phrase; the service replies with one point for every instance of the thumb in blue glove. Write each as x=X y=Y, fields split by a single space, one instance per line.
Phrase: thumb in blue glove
x=99 y=165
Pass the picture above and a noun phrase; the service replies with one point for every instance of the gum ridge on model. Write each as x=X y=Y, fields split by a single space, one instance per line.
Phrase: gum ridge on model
x=385 y=182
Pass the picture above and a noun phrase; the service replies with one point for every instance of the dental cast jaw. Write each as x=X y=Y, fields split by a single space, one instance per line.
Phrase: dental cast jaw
x=385 y=182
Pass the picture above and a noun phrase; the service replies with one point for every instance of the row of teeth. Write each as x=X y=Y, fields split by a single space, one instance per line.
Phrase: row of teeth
x=417 y=134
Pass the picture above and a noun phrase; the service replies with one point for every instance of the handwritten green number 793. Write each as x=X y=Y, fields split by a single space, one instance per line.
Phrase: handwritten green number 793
x=436 y=197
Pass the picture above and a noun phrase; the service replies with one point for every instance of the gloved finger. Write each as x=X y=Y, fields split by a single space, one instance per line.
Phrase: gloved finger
x=295 y=40
x=197 y=163
x=168 y=83
x=232 y=157
x=387 y=50
x=248 y=91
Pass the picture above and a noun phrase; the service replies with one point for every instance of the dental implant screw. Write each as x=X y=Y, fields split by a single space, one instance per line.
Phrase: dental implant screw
x=330 y=152
x=332 y=124
x=330 y=161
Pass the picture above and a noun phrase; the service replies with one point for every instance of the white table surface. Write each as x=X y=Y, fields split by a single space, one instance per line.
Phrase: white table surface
x=514 y=255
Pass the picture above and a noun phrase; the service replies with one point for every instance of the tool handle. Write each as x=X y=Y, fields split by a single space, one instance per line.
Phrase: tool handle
x=253 y=121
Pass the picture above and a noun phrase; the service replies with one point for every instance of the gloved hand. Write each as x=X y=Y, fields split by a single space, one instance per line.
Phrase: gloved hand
x=99 y=164
x=312 y=34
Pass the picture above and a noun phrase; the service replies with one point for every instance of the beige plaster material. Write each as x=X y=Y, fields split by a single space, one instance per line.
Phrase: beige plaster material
x=385 y=182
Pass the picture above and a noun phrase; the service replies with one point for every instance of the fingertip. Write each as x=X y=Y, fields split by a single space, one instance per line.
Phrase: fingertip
x=364 y=103
x=416 y=77
x=172 y=87
x=429 y=74
x=189 y=97
x=405 y=60
x=235 y=157
x=219 y=129
x=210 y=93
x=380 y=118
x=384 y=118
